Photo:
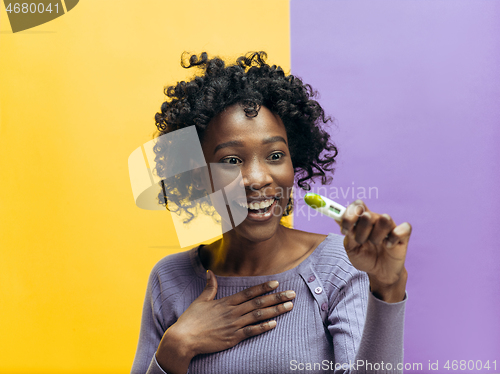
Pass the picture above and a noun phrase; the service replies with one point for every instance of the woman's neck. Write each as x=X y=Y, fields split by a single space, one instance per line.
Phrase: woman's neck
x=235 y=255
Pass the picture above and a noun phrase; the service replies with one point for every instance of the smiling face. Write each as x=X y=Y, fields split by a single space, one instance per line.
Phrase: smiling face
x=258 y=146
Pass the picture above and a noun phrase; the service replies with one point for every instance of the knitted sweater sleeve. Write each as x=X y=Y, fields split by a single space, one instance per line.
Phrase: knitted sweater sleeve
x=155 y=320
x=367 y=333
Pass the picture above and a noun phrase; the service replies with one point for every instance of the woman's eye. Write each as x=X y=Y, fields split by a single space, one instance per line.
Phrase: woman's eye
x=276 y=156
x=231 y=160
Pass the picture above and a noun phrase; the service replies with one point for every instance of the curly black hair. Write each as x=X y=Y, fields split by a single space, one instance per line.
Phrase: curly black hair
x=252 y=83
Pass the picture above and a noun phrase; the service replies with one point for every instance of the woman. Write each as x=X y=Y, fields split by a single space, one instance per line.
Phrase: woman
x=266 y=298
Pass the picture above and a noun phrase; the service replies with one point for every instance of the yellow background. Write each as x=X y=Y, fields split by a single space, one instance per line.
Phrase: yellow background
x=77 y=96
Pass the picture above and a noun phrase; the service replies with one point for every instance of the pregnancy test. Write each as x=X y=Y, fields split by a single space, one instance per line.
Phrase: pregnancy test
x=325 y=206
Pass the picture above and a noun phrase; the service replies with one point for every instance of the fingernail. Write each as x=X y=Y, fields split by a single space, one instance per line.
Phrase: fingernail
x=288 y=305
x=272 y=324
x=290 y=294
x=389 y=245
x=344 y=231
x=273 y=284
x=208 y=275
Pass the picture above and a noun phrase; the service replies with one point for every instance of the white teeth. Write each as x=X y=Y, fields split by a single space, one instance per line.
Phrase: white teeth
x=243 y=205
x=257 y=205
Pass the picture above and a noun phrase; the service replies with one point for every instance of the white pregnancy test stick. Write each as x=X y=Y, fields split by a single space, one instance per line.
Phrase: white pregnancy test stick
x=325 y=206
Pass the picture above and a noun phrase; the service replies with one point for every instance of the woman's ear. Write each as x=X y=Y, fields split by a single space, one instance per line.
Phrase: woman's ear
x=196 y=177
x=196 y=174
x=201 y=179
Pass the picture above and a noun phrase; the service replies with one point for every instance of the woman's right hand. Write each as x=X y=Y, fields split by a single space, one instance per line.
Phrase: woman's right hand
x=209 y=325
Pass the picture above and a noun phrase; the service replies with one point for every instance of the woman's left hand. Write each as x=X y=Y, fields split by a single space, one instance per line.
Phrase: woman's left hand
x=378 y=247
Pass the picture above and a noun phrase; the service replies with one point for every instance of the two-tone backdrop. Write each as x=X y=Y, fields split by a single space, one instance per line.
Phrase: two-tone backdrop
x=413 y=87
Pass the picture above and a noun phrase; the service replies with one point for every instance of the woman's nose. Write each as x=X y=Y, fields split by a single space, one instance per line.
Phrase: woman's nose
x=256 y=175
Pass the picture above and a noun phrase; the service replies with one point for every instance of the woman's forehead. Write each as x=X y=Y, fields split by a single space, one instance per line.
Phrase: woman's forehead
x=234 y=124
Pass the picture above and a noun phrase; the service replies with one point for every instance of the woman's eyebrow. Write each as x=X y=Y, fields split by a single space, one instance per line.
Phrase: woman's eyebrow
x=232 y=143
x=237 y=143
x=274 y=139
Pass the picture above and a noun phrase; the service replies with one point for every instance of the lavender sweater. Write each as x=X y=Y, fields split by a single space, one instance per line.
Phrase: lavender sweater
x=336 y=325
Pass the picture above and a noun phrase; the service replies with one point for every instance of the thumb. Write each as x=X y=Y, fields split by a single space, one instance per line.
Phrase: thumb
x=210 y=289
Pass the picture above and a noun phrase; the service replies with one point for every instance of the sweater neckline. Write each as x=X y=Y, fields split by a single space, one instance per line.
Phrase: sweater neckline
x=200 y=270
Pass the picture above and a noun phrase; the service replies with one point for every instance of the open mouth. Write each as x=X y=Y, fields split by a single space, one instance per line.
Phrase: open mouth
x=258 y=207
x=260 y=211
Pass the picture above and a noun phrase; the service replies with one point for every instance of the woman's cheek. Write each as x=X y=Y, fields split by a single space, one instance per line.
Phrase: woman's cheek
x=284 y=180
x=286 y=176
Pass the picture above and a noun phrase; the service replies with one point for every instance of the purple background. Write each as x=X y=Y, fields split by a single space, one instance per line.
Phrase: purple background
x=414 y=87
